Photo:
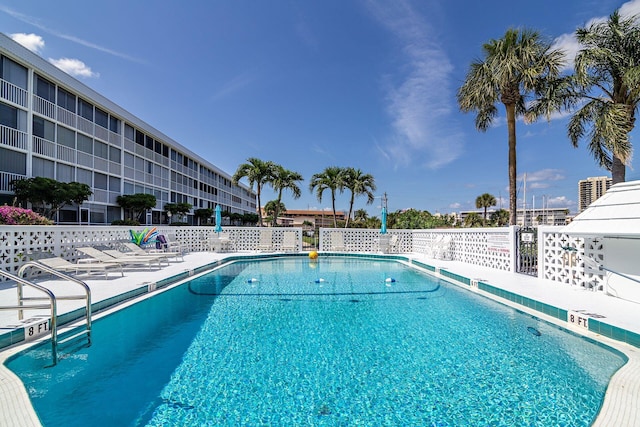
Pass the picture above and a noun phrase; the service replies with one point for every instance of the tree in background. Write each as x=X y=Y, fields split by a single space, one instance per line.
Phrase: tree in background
x=485 y=201
x=514 y=67
x=500 y=218
x=329 y=179
x=359 y=184
x=272 y=208
x=203 y=215
x=257 y=172
x=47 y=196
x=177 y=209
x=284 y=179
x=135 y=205
x=473 y=220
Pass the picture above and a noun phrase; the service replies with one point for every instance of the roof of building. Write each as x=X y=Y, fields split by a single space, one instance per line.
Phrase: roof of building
x=616 y=213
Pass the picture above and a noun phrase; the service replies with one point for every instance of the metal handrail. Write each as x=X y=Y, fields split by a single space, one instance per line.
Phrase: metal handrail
x=50 y=270
x=20 y=307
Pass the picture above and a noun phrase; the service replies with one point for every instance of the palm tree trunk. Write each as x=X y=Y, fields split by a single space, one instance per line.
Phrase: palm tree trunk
x=259 y=209
x=513 y=199
x=618 y=170
x=346 y=224
x=333 y=205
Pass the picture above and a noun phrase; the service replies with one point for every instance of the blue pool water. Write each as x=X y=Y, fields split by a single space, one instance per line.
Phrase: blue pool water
x=344 y=341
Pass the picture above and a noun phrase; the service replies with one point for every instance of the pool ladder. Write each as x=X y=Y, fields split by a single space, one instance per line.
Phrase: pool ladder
x=52 y=305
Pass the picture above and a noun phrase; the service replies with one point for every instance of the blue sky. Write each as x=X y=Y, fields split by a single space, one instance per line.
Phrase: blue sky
x=364 y=83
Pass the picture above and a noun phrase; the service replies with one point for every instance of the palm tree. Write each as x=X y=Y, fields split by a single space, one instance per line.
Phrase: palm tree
x=358 y=183
x=284 y=179
x=500 y=218
x=332 y=179
x=272 y=208
x=485 y=201
x=472 y=220
x=257 y=172
x=360 y=215
x=514 y=67
x=607 y=77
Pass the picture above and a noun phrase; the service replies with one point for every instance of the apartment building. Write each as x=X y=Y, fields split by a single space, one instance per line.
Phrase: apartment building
x=591 y=189
x=528 y=217
x=52 y=125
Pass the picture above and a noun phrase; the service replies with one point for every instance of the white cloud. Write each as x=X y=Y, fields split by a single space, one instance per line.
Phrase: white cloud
x=568 y=42
x=37 y=23
x=74 y=67
x=416 y=104
x=33 y=42
x=235 y=84
x=455 y=205
x=542 y=175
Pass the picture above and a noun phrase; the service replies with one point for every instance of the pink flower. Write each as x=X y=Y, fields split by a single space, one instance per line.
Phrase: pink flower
x=11 y=215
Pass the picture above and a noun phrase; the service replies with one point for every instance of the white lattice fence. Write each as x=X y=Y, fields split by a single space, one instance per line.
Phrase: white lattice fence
x=365 y=239
x=487 y=247
x=19 y=244
x=562 y=258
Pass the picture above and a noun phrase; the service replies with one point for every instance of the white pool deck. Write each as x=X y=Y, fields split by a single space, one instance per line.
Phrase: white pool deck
x=621 y=407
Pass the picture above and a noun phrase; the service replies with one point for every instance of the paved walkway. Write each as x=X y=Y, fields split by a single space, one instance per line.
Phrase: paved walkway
x=621 y=406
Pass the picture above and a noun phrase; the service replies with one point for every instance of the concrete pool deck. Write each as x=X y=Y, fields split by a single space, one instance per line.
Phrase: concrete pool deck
x=620 y=408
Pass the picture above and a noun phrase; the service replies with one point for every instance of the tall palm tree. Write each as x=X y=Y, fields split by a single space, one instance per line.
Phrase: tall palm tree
x=358 y=183
x=485 y=201
x=257 y=172
x=284 y=179
x=329 y=179
x=607 y=77
x=514 y=68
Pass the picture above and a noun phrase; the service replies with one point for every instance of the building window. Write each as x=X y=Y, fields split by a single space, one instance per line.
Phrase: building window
x=100 y=149
x=128 y=132
x=65 y=173
x=149 y=142
x=13 y=117
x=102 y=118
x=85 y=109
x=99 y=181
x=139 y=138
x=66 y=137
x=13 y=161
x=42 y=167
x=13 y=73
x=114 y=124
x=114 y=154
x=44 y=128
x=114 y=184
x=84 y=176
x=45 y=89
x=85 y=144
x=66 y=100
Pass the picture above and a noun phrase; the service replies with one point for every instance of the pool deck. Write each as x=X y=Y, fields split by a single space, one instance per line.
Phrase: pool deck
x=620 y=408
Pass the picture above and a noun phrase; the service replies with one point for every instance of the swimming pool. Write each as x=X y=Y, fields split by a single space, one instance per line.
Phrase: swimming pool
x=343 y=341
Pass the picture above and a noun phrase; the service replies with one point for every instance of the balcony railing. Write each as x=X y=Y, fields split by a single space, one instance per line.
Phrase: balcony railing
x=13 y=138
x=13 y=93
x=6 y=178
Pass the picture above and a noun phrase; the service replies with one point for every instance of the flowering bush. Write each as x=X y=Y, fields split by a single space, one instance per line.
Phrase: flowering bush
x=10 y=215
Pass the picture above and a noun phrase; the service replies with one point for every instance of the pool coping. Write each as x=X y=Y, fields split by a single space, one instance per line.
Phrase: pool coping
x=619 y=407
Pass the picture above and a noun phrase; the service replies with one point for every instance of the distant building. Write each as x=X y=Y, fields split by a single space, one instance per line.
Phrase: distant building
x=591 y=189
x=53 y=126
x=528 y=217
x=317 y=218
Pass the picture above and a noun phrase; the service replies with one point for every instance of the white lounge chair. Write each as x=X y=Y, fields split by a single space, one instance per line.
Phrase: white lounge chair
x=133 y=249
x=219 y=242
x=266 y=240
x=64 y=266
x=441 y=249
x=125 y=261
x=290 y=241
x=393 y=243
x=337 y=241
